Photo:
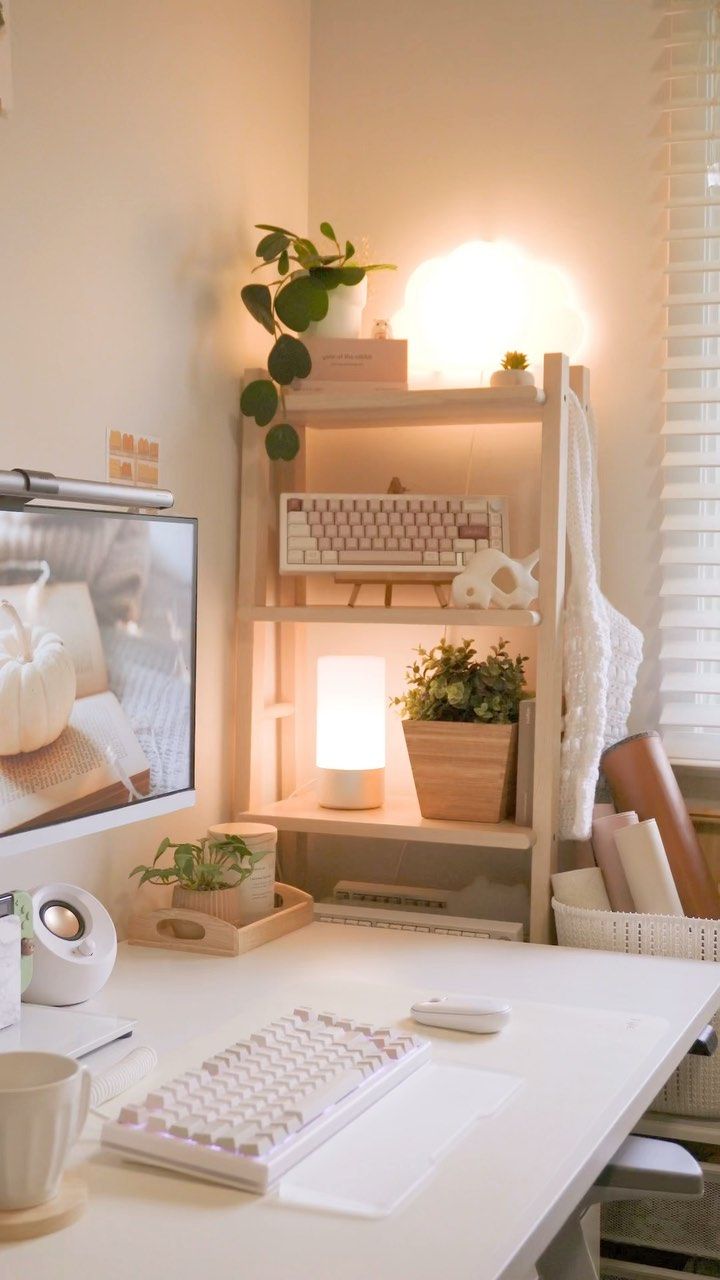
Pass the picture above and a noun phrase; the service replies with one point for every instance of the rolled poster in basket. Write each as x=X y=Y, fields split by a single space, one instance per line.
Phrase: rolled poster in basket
x=604 y=829
x=641 y=779
x=583 y=887
x=647 y=869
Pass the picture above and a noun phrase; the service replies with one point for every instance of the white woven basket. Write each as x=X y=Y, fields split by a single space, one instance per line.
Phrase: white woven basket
x=694 y=1089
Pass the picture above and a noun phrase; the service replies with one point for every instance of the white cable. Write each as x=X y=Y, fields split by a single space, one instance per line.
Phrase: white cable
x=401 y=855
x=305 y=787
x=129 y=1071
x=117 y=764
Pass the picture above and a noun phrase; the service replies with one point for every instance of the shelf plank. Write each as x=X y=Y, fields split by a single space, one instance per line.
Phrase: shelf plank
x=442 y=406
x=398 y=819
x=658 y=1124
x=395 y=615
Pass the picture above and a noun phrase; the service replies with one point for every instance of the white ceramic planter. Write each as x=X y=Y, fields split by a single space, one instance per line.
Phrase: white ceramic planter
x=224 y=904
x=345 y=311
x=256 y=894
x=512 y=378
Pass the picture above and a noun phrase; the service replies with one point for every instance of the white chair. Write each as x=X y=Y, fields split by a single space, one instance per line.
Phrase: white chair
x=641 y=1167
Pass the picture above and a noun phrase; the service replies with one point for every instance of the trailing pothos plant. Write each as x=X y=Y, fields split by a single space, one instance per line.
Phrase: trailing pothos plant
x=205 y=865
x=288 y=305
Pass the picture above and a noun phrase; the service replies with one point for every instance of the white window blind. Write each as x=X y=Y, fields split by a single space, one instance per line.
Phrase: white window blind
x=690 y=616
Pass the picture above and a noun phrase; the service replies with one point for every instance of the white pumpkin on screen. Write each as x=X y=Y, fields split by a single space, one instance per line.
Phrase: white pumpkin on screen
x=37 y=685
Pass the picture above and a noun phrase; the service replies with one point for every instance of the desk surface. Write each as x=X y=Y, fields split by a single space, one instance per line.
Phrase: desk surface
x=495 y=1200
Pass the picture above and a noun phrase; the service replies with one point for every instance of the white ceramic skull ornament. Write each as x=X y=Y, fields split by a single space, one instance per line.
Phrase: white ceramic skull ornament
x=475 y=587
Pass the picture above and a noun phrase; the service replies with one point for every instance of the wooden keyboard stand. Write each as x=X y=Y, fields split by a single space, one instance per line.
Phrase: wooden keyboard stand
x=438 y=583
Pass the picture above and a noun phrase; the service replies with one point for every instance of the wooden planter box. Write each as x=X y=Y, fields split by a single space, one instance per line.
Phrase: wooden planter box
x=463 y=772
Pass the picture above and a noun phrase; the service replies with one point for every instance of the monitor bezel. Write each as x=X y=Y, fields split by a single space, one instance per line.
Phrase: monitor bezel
x=62 y=829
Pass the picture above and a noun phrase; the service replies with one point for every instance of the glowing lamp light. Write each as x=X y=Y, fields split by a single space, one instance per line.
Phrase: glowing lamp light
x=350 y=743
x=462 y=312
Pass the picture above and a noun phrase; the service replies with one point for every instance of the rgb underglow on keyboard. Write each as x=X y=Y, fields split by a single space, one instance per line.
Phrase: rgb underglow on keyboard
x=372 y=532
x=247 y=1114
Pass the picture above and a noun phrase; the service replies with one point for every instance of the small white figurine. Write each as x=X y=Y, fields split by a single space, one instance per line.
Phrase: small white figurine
x=475 y=588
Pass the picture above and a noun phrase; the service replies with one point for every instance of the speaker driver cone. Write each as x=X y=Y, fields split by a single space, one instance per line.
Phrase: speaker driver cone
x=62 y=920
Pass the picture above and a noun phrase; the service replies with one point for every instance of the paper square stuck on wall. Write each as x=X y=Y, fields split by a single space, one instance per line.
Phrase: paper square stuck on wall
x=133 y=459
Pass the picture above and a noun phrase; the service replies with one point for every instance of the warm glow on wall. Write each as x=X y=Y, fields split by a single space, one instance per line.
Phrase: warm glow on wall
x=462 y=312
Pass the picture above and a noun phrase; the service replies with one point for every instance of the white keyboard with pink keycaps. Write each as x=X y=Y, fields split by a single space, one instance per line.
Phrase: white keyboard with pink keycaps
x=248 y=1114
x=384 y=533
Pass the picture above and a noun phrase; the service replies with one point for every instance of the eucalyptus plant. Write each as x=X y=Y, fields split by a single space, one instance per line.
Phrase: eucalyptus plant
x=447 y=683
x=286 y=305
x=204 y=865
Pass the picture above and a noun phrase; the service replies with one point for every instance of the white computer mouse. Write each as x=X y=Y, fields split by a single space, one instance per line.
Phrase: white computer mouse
x=479 y=1014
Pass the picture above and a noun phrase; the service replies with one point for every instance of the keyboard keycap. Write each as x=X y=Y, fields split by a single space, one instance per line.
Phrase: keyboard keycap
x=379 y=557
x=317 y=1102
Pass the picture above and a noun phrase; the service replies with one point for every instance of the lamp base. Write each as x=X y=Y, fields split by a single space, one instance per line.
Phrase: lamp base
x=351 y=788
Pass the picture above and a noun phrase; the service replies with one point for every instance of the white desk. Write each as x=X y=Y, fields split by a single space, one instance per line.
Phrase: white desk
x=500 y=1195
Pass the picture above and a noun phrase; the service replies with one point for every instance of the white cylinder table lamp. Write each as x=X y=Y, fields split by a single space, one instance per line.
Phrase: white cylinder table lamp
x=350 y=743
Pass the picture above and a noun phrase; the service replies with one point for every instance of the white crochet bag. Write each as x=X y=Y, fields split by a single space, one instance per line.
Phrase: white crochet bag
x=602 y=649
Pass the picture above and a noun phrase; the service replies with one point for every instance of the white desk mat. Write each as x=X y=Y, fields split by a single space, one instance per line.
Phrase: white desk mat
x=603 y=1049
x=385 y=1155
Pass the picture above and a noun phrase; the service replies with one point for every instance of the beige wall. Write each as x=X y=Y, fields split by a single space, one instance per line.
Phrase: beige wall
x=433 y=124
x=143 y=145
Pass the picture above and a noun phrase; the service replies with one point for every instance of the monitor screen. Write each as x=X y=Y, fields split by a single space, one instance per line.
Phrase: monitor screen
x=97 y=670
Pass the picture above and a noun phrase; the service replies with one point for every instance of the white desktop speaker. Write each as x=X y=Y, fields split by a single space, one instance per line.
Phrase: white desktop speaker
x=75 y=945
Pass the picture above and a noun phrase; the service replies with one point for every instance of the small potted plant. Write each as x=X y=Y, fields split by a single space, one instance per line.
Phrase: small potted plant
x=206 y=875
x=513 y=371
x=461 y=730
x=321 y=292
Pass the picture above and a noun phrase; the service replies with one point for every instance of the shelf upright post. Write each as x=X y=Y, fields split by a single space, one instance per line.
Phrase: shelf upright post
x=548 y=710
x=254 y=518
x=290 y=660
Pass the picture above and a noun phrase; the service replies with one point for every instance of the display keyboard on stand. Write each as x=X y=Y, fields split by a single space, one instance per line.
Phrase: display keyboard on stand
x=386 y=534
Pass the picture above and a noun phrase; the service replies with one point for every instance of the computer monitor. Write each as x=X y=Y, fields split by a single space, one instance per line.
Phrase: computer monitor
x=97 y=671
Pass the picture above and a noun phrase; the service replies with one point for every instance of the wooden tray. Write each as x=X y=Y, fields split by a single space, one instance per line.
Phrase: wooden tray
x=293 y=910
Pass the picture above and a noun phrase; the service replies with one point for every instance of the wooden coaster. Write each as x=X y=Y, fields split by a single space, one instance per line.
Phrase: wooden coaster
x=42 y=1219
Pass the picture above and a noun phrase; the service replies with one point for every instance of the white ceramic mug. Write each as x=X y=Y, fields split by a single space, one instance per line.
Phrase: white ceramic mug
x=44 y=1101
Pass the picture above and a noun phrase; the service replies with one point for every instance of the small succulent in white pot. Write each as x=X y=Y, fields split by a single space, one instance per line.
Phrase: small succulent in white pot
x=513 y=372
x=206 y=875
